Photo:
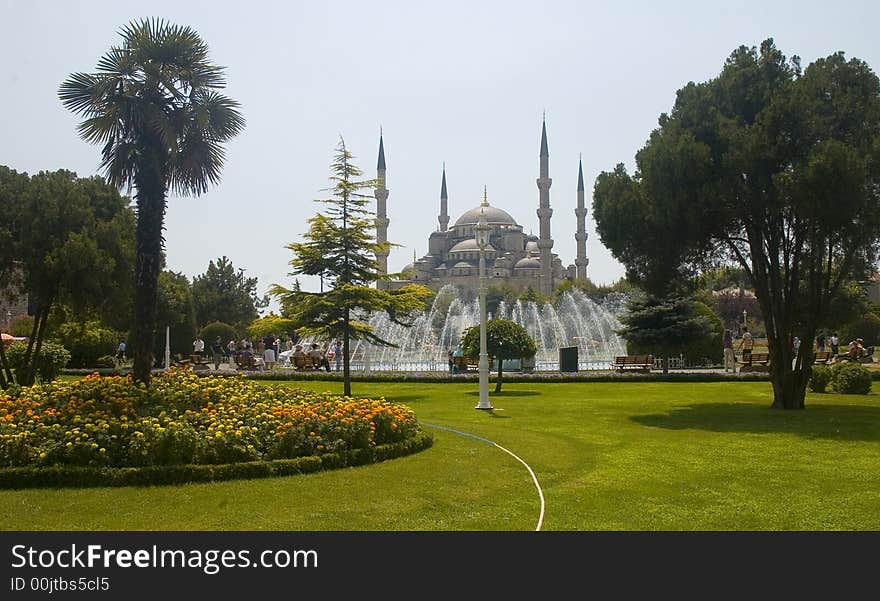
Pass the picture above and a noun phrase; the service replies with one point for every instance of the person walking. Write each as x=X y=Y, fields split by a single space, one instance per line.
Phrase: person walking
x=835 y=345
x=198 y=347
x=120 y=353
x=217 y=352
x=337 y=354
x=269 y=350
x=230 y=349
x=729 y=357
x=745 y=345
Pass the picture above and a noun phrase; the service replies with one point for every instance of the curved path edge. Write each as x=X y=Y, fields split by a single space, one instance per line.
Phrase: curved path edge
x=509 y=452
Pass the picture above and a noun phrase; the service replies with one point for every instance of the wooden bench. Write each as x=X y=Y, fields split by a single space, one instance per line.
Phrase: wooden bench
x=756 y=362
x=464 y=364
x=199 y=361
x=640 y=362
x=180 y=362
x=248 y=362
x=821 y=358
x=302 y=362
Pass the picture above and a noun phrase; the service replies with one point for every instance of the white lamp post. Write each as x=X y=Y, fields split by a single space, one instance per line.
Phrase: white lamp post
x=481 y=233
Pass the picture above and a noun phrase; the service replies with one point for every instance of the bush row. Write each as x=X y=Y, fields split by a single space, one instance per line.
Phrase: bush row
x=83 y=476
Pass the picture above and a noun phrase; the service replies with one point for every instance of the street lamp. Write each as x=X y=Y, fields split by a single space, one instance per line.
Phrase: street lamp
x=481 y=233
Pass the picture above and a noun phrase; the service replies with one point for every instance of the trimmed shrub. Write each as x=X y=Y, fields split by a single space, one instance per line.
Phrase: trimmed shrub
x=820 y=378
x=53 y=358
x=225 y=331
x=79 y=476
x=851 y=378
x=106 y=361
x=86 y=341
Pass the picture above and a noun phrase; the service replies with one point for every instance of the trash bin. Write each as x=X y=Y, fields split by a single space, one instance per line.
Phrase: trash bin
x=568 y=359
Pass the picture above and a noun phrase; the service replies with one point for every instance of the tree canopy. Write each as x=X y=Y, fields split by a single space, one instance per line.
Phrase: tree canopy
x=69 y=240
x=225 y=294
x=768 y=166
x=505 y=339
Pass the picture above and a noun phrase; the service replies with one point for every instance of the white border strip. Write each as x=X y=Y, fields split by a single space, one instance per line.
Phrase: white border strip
x=487 y=441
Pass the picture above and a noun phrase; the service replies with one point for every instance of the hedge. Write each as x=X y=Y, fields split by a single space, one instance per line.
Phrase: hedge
x=83 y=477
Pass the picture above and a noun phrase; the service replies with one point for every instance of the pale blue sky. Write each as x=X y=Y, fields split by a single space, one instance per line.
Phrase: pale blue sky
x=463 y=82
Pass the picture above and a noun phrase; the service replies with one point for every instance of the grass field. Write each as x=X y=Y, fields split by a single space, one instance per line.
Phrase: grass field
x=619 y=456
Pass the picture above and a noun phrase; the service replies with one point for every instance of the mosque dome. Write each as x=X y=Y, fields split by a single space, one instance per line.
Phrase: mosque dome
x=494 y=216
x=409 y=267
x=469 y=245
x=532 y=247
x=462 y=264
x=528 y=263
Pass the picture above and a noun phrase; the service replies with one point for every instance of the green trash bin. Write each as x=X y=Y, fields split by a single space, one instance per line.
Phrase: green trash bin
x=568 y=359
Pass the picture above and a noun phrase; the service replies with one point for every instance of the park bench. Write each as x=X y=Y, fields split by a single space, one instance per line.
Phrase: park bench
x=464 y=364
x=756 y=362
x=180 y=362
x=821 y=358
x=302 y=362
x=640 y=362
x=243 y=361
x=198 y=362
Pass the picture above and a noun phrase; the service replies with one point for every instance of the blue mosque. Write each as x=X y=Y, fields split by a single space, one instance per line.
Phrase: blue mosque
x=513 y=257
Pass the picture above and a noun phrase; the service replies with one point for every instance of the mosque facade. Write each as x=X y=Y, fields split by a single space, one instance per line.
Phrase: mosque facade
x=513 y=258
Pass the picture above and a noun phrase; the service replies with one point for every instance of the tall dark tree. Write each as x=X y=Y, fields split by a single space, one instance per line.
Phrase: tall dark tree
x=72 y=239
x=225 y=294
x=154 y=108
x=664 y=327
x=766 y=166
x=341 y=246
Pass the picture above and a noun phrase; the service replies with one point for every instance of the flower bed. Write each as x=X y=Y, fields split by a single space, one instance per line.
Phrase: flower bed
x=184 y=419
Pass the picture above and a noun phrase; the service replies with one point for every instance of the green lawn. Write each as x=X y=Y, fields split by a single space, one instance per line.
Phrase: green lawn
x=621 y=456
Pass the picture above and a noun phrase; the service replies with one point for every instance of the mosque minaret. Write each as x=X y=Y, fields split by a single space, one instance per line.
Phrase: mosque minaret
x=382 y=221
x=513 y=258
x=545 y=242
x=581 y=235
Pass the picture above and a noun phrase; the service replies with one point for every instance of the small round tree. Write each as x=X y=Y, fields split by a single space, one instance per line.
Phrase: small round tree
x=504 y=340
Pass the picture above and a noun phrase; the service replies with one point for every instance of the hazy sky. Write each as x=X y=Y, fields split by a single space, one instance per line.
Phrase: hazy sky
x=464 y=82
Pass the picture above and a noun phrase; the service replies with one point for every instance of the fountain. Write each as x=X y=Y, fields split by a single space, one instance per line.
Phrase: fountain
x=574 y=320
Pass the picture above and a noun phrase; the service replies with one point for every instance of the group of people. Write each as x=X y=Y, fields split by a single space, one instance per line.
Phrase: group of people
x=855 y=349
x=320 y=357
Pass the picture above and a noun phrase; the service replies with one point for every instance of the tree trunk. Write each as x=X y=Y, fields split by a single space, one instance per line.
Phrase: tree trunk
x=665 y=365
x=43 y=319
x=346 y=371
x=789 y=384
x=498 y=383
x=23 y=377
x=5 y=372
x=148 y=261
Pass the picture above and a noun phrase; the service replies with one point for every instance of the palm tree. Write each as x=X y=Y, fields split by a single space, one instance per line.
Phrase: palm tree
x=153 y=106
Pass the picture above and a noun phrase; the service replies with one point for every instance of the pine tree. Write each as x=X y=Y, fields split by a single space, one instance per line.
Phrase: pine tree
x=341 y=248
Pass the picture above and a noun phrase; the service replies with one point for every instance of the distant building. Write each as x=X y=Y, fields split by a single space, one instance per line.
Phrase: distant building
x=13 y=304
x=512 y=257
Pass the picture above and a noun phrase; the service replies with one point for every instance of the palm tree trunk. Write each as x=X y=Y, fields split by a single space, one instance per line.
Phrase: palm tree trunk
x=148 y=262
x=498 y=383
